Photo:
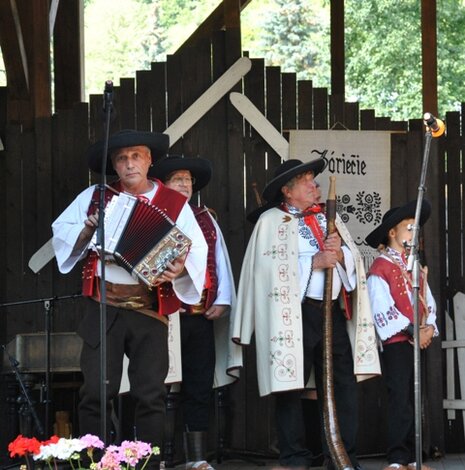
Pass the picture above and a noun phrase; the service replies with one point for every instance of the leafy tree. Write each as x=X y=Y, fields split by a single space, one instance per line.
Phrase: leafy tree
x=296 y=37
x=383 y=55
x=116 y=36
x=123 y=36
x=382 y=49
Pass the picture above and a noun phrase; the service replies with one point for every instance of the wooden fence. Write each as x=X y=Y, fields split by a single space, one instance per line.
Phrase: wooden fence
x=43 y=169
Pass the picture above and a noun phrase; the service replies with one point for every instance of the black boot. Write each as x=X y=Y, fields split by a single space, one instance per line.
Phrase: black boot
x=195 y=449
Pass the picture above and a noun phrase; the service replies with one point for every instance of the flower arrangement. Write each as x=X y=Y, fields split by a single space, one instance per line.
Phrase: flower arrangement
x=58 y=449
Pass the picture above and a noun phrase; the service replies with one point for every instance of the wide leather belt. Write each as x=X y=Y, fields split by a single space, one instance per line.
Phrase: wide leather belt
x=133 y=297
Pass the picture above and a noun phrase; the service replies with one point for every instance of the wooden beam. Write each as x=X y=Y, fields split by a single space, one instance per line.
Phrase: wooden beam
x=39 y=59
x=214 y=22
x=14 y=51
x=429 y=56
x=337 y=49
x=232 y=13
x=68 y=54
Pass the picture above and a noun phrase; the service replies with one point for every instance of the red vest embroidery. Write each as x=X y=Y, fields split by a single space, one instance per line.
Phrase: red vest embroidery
x=391 y=273
x=209 y=232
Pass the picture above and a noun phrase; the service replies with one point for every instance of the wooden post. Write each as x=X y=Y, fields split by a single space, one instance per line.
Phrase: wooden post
x=429 y=56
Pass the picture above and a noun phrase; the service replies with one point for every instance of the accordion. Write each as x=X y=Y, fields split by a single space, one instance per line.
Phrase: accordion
x=141 y=238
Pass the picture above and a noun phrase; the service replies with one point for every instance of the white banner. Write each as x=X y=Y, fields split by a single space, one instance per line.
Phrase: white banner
x=361 y=162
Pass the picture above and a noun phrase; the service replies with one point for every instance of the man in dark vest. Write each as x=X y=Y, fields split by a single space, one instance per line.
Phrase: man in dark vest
x=136 y=315
x=205 y=338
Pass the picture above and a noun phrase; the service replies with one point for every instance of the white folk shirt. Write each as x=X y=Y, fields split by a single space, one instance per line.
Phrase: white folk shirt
x=383 y=305
x=312 y=281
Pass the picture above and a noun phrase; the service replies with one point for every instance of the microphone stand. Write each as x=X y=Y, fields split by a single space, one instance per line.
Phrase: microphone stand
x=413 y=266
x=48 y=302
x=14 y=365
x=107 y=108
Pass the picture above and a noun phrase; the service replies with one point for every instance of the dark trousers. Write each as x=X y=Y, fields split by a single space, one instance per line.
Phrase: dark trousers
x=198 y=368
x=289 y=412
x=145 y=342
x=397 y=362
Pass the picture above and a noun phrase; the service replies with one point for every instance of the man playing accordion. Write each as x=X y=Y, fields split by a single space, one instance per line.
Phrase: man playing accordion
x=136 y=312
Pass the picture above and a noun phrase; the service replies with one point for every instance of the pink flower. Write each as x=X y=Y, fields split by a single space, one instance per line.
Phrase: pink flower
x=91 y=441
x=110 y=461
x=133 y=451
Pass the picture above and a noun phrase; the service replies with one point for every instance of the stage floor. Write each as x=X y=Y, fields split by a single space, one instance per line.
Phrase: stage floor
x=449 y=462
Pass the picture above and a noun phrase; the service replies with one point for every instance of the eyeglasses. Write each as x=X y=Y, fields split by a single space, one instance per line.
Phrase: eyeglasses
x=178 y=180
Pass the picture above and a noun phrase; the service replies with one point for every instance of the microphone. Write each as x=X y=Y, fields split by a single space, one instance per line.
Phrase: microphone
x=107 y=96
x=433 y=124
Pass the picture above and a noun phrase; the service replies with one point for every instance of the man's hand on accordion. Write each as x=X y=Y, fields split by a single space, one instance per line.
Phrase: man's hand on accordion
x=172 y=271
x=90 y=225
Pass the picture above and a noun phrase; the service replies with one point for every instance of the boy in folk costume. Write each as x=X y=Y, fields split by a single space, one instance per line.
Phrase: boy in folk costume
x=391 y=297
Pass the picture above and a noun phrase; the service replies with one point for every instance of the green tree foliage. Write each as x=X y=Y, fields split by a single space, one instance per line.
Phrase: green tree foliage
x=118 y=37
x=293 y=35
x=383 y=56
x=123 y=36
x=178 y=20
x=382 y=50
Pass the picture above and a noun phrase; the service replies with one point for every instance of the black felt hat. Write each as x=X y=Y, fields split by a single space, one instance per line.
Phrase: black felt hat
x=200 y=168
x=288 y=170
x=393 y=217
x=157 y=143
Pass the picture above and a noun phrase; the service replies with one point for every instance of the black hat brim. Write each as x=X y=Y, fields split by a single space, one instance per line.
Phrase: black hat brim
x=254 y=215
x=200 y=169
x=272 y=191
x=158 y=144
x=379 y=234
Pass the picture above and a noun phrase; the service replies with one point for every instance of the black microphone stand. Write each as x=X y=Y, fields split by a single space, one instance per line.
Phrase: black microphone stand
x=413 y=266
x=48 y=302
x=107 y=108
x=14 y=365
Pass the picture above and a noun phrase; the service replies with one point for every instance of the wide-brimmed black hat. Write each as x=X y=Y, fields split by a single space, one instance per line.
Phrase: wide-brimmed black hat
x=288 y=170
x=393 y=217
x=200 y=168
x=157 y=143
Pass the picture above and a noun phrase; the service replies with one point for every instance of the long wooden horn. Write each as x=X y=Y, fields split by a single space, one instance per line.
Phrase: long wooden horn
x=331 y=426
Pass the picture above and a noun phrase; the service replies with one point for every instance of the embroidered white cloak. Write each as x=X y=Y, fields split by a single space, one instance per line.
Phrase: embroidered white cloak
x=269 y=303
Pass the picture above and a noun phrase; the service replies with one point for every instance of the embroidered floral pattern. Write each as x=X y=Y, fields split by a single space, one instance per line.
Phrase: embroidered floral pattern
x=284 y=338
x=285 y=367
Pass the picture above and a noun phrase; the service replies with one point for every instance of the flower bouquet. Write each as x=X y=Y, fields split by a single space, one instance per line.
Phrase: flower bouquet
x=58 y=449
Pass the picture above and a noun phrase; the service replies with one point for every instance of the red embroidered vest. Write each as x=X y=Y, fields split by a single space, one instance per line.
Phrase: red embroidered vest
x=392 y=274
x=168 y=200
x=209 y=232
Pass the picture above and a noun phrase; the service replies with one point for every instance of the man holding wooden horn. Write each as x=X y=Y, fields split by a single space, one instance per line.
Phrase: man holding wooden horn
x=280 y=297
x=136 y=312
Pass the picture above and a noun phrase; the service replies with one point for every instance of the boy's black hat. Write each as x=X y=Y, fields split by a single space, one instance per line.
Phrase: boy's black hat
x=393 y=217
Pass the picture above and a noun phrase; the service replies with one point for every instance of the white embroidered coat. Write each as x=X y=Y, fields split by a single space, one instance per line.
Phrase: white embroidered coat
x=269 y=303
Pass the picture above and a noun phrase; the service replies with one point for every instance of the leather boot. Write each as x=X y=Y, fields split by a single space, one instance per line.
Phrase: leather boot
x=195 y=448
